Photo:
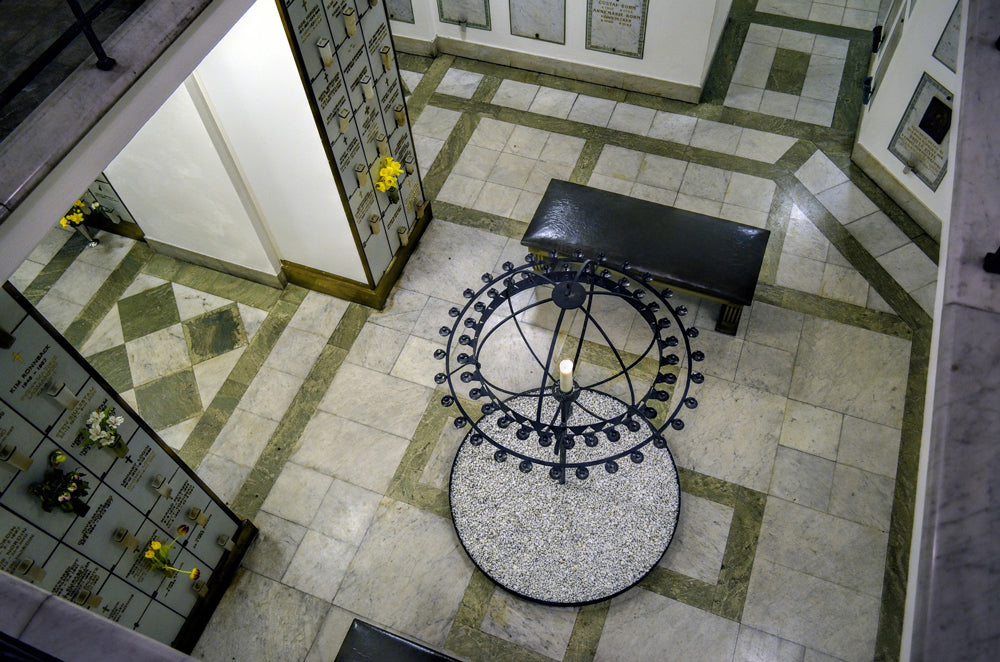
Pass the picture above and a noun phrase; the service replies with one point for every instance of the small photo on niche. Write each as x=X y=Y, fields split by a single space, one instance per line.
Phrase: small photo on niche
x=936 y=120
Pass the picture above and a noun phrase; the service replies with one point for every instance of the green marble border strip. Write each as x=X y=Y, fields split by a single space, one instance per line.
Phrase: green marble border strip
x=432 y=78
x=55 y=268
x=586 y=162
x=217 y=413
x=481 y=220
x=831 y=309
x=411 y=62
x=897 y=562
x=854 y=252
x=107 y=296
x=727 y=53
x=282 y=443
x=727 y=597
x=214 y=282
x=487 y=88
x=406 y=485
x=449 y=154
x=586 y=635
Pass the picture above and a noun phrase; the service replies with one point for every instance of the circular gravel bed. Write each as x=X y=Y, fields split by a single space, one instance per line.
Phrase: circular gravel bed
x=573 y=543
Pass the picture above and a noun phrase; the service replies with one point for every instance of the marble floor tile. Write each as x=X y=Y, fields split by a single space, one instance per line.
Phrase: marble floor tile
x=450 y=254
x=862 y=496
x=804 y=239
x=411 y=79
x=401 y=310
x=358 y=394
x=141 y=283
x=272 y=551
x=244 y=437
x=491 y=134
x=259 y=614
x=460 y=190
x=212 y=374
x=350 y=451
x=699 y=542
x=526 y=142
x=716 y=136
x=749 y=191
x=631 y=119
x=437 y=471
x=619 y=162
x=156 y=354
x=743 y=97
x=515 y=94
x=763 y=146
x=847 y=202
x=819 y=173
x=766 y=368
x=225 y=476
x=376 y=347
x=802 y=478
x=319 y=565
x=331 y=635
x=831 y=46
x=722 y=353
x=345 y=512
x=552 y=102
x=591 y=110
x=796 y=41
x=812 y=655
x=270 y=393
x=775 y=327
x=80 y=281
x=766 y=35
x=297 y=494
x=510 y=170
x=844 y=284
x=252 y=319
x=319 y=313
x=868 y=382
x=792 y=8
x=800 y=273
x=562 y=149
x=526 y=205
x=632 y=631
x=705 y=182
x=166 y=401
x=751 y=217
x=823 y=78
x=778 y=104
x=543 y=629
x=754 y=645
x=857 y=18
x=435 y=122
x=698 y=205
x=25 y=273
x=812 y=430
x=909 y=266
x=108 y=334
x=459 y=83
x=815 y=111
x=193 y=303
x=176 y=436
x=496 y=199
x=661 y=196
x=51 y=242
x=434 y=316
x=673 y=127
x=707 y=445
x=416 y=362
x=826 y=13
x=427 y=151
x=926 y=297
x=213 y=334
x=811 y=611
x=824 y=546
x=754 y=65
x=295 y=352
x=475 y=162
x=661 y=172
x=410 y=573
x=878 y=234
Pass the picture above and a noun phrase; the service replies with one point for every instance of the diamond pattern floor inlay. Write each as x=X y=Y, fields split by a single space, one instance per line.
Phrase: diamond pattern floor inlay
x=321 y=419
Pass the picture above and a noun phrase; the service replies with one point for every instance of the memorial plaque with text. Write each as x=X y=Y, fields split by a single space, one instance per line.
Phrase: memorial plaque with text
x=617 y=26
x=539 y=19
x=470 y=13
x=400 y=10
x=922 y=137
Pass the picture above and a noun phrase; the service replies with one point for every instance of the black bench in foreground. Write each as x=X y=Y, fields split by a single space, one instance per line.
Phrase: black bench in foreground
x=704 y=255
x=366 y=643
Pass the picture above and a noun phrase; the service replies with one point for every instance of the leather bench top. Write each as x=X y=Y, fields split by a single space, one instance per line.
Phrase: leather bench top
x=702 y=254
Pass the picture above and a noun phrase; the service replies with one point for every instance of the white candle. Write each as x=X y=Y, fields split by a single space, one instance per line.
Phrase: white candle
x=566 y=375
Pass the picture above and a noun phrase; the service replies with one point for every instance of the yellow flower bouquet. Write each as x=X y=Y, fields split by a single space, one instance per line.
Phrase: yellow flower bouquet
x=159 y=554
x=388 y=174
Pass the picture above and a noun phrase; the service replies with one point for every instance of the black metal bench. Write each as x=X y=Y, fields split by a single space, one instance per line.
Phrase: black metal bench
x=366 y=643
x=704 y=255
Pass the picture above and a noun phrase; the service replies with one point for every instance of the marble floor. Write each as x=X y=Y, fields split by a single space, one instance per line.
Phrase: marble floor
x=321 y=421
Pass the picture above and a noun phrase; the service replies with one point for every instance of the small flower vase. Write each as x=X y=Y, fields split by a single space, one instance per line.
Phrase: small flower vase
x=393 y=195
x=91 y=240
x=80 y=509
x=118 y=446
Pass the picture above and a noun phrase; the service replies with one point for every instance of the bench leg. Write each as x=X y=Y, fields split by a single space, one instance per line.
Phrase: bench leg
x=729 y=319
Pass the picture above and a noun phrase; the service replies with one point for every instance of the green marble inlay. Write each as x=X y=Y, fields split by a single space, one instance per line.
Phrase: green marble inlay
x=214 y=282
x=148 y=311
x=432 y=78
x=788 y=71
x=481 y=220
x=108 y=295
x=406 y=485
x=169 y=400
x=214 y=333
x=586 y=634
x=350 y=326
x=282 y=443
x=55 y=268
x=112 y=364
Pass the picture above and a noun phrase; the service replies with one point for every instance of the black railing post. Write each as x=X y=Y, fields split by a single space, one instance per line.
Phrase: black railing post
x=104 y=63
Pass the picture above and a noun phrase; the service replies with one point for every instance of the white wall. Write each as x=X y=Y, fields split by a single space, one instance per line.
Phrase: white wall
x=252 y=84
x=680 y=37
x=172 y=179
x=913 y=57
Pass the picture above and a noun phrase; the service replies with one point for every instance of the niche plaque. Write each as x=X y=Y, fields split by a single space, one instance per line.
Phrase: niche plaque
x=922 y=137
x=544 y=20
x=617 y=26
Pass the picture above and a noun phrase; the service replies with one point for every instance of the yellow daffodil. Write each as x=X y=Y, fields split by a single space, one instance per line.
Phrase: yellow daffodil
x=380 y=186
x=149 y=554
x=154 y=545
x=195 y=573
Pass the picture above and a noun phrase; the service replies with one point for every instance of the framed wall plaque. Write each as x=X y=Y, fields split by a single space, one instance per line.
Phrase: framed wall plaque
x=400 y=10
x=922 y=137
x=946 y=51
x=617 y=26
x=544 y=20
x=470 y=13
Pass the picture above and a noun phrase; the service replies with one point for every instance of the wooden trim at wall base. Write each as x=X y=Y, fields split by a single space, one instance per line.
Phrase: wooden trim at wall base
x=546 y=65
x=264 y=278
x=896 y=190
x=352 y=290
